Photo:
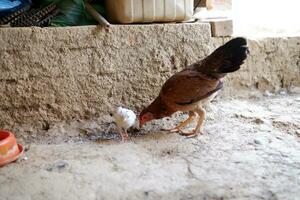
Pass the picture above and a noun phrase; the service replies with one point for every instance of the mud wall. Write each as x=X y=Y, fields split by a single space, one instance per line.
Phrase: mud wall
x=54 y=74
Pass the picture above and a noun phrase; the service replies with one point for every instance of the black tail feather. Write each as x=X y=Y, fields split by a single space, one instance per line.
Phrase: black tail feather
x=235 y=52
x=225 y=59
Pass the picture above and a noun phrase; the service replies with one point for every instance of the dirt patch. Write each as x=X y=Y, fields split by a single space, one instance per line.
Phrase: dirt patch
x=250 y=150
x=273 y=112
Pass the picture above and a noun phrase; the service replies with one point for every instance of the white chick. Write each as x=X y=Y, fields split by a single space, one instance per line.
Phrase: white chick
x=124 y=119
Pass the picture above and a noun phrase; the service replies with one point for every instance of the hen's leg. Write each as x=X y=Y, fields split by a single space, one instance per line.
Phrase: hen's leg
x=201 y=112
x=124 y=135
x=183 y=123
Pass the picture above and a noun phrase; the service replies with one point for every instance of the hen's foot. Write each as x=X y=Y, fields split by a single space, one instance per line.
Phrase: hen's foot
x=172 y=130
x=182 y=124
x=197 y=130
x=190 y=134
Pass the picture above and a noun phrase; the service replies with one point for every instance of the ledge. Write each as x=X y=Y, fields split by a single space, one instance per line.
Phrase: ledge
x=55 y=74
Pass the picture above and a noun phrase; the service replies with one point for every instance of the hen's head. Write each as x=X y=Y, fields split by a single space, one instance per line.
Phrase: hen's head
x=145 y=116
x=156 y=110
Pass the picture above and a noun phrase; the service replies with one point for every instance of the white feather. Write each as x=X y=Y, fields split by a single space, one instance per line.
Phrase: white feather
x=124 y=118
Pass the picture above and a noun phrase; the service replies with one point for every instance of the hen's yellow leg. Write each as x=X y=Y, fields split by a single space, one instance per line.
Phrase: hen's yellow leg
x=201 y=112
x=183 y=123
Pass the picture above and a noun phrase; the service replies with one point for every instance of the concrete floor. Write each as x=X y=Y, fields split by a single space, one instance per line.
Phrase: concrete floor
x=250 y=150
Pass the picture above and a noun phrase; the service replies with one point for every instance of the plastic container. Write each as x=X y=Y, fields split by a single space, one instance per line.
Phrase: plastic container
x=9 y=149
x=147 y=11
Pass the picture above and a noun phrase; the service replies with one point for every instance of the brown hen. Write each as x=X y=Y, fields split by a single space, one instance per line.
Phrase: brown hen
x=188 y=89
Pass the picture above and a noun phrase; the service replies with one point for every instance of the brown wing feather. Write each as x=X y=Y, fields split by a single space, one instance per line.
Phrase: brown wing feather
x=187 y=87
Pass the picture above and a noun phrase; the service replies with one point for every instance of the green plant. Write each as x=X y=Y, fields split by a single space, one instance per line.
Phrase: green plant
x=72 y=12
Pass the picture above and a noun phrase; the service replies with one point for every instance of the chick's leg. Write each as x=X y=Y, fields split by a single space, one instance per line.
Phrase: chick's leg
x=183 y=123
x=201 y=112
x=124 y=134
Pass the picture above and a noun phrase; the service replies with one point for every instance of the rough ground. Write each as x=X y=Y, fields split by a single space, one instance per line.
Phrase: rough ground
x=250 y=150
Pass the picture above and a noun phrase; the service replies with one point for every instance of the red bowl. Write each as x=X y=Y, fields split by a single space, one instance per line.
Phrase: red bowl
x=9 y=149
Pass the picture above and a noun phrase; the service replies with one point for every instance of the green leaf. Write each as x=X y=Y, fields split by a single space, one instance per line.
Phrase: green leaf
x=72 y=12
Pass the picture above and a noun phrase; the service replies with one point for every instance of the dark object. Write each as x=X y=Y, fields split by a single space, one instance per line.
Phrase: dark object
x=35 y=17
x=98 y=17
x=11 y=9
x=197 y=3
x=24 y=16
x=50 y=13
x=9 y=17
